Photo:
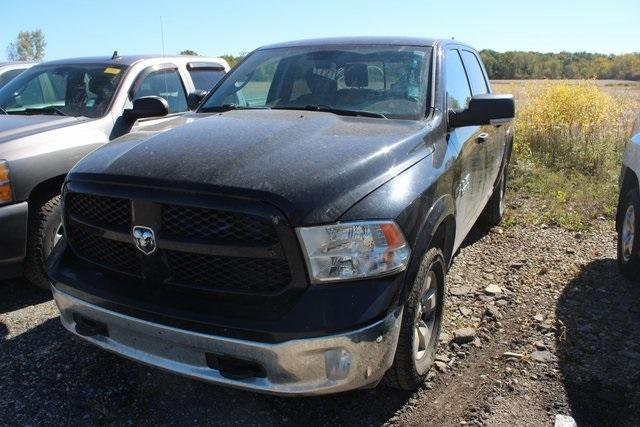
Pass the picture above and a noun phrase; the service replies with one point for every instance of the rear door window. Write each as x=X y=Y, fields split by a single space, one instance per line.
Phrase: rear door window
x=167 y=84
x=205 y=78
x=474 y=72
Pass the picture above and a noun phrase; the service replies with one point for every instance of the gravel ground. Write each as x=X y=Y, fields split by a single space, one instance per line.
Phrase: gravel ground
x=538 y=324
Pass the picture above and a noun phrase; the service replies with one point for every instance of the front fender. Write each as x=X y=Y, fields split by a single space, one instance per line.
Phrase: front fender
x=39 y=157
x=419 y=200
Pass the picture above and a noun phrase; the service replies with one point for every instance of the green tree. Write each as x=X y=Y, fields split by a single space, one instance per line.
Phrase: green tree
x=232 y=59
x=29 y=46
x=563 y=65
x=188 y=52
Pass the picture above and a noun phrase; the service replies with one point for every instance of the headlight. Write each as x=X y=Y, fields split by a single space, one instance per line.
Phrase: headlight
x=353 y=250
x=5 y=183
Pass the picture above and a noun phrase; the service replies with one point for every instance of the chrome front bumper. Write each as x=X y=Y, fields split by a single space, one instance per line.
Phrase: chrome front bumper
x=310 y=366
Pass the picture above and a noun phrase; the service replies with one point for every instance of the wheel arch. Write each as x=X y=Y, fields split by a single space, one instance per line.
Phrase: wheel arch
x=629 y=180
x=46 y=187
x=444 y=237
x=437 y=229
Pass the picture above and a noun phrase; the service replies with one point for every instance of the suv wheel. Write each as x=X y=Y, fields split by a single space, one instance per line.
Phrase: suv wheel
x=45 y=230
x=493 y=211
x=421 y=322
x=628 y=239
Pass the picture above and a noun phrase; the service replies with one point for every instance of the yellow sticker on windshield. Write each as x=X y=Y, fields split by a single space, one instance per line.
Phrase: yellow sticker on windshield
x=112 y=70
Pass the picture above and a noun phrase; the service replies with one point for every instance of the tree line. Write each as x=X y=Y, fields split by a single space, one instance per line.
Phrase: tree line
x=30 y=46
x=563 y=65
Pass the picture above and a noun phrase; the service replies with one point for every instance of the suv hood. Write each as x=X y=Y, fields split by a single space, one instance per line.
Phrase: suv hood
x=19 y=126
x=312 y=165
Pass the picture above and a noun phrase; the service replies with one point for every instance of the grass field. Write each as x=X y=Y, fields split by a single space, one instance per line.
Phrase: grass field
x=614 y=87
x=569 y=140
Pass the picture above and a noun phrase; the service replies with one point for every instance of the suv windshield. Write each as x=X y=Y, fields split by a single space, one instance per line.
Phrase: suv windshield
x=65 y=89
x=378 y=81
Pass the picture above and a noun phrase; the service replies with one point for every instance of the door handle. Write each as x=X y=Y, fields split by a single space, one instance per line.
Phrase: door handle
x=482 y=138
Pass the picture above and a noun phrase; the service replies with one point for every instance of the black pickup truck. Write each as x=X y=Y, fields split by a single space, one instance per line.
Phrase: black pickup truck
x=294 y=239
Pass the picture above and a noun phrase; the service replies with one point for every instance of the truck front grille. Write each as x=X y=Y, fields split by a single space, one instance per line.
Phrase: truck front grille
x=248 y=274
x=119 y=256
x=104 y=210
x=200 y=248
x=201 y=223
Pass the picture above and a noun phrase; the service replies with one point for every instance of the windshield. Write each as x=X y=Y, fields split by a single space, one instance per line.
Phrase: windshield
x=378 y=81
x=65 y=89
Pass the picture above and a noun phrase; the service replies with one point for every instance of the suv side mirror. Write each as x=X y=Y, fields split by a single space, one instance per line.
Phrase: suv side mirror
x=484 y=110
x=147 y=106
x=195 y=97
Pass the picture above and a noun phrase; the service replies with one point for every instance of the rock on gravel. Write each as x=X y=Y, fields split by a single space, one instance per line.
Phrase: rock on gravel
x=464 y=335
x=543 y=356
x=493 y=289
x=565 y=421
x=459 y=290
x=492 y=311
x=465 y=311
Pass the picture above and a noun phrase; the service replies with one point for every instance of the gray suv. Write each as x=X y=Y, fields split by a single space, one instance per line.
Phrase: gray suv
x=9 y=70
x=55 y=113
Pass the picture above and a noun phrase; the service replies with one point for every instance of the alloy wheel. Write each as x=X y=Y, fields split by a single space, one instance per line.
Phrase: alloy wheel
x=628 y=233
x=425 y=319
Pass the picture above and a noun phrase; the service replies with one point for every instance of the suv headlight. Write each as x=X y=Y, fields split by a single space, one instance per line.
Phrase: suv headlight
x=353 y=250
x=5 y=184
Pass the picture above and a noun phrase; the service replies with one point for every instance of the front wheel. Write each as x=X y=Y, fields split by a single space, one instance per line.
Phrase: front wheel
x=45 y=230
x=628 y=243
x=421 y=322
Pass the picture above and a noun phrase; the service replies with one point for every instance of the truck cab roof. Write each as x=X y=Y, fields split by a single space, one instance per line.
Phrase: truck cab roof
x=128 y=60
x=364 y=40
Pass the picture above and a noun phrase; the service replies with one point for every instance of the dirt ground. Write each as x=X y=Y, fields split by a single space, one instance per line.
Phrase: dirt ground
x=556 y=334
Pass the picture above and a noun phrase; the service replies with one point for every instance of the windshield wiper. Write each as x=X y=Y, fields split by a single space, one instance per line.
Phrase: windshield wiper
x=2 y=110
x=328 y=109
x=227 y=107
x=44 y=110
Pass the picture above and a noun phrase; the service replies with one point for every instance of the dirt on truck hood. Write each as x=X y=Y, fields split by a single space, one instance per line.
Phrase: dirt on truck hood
x=313 y=165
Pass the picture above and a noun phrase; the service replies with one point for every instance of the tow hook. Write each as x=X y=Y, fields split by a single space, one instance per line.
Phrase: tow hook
x=89 y=328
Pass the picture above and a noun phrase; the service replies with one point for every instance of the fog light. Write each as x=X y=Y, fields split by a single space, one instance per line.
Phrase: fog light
x=337 y=363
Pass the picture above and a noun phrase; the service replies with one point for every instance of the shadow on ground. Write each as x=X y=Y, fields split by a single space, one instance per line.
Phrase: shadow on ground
x=18 y=293
x=598 y=342
x=52 y=377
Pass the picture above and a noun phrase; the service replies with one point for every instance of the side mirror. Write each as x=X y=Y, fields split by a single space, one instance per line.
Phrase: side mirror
x=195 y=97
x=147 y=106
x=484 y=110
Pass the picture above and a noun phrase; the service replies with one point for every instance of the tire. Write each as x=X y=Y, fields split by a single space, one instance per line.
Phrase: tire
x=45 y=226
x=414 y=356
x=628 y=243
x=494 y=210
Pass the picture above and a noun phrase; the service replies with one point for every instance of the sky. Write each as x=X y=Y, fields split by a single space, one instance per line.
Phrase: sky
x=215 y=27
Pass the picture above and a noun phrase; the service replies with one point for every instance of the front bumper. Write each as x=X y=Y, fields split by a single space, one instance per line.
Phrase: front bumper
x=13 y=238
x=310 y=366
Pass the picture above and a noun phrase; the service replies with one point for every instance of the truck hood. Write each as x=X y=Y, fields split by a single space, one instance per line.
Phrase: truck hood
x=312 y=165
x=19 y=126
